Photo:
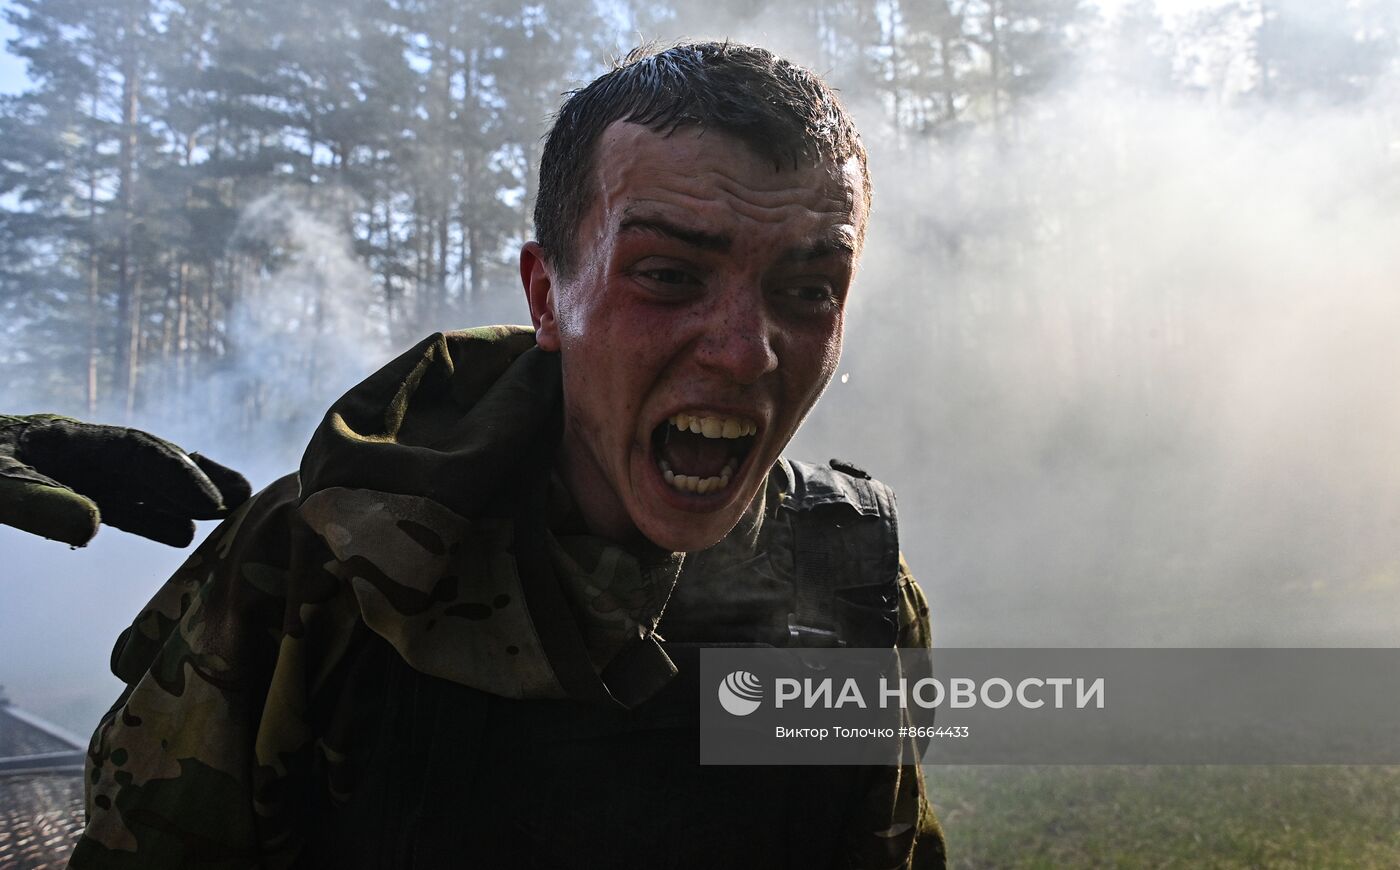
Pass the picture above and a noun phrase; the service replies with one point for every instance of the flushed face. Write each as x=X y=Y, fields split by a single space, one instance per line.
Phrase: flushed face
x=702 y=321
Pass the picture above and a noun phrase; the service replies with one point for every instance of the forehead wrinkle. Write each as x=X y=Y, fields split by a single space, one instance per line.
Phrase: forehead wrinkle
x=821 y=194
x=832 y=191
x=636 y=219
x=847 y=177
x=795 y=192
x=697 y=206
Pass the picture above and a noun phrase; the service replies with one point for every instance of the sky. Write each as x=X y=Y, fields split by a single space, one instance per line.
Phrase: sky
x=12 y=77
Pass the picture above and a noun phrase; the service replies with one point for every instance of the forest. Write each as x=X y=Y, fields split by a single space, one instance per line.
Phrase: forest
x=198 y=192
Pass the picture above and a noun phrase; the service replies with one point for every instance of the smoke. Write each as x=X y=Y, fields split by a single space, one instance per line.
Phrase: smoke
x=1128 y=358
x=303 y=332
x=1132 y=373
x=306 y=328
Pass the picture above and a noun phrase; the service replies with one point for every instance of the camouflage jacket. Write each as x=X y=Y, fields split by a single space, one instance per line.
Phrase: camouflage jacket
x=425 y=516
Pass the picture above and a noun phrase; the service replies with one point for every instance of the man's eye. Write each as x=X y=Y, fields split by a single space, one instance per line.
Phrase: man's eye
x=815 y=294
x=667 y=276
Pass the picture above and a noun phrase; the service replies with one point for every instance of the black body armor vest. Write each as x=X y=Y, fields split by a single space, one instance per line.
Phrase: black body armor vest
x=448 y=776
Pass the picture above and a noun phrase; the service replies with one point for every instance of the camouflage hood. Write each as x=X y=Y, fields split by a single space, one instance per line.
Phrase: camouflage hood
x=426 y=513
x=431 y=485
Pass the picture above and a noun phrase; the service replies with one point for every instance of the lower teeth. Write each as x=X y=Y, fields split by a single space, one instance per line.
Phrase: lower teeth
x=696 y=484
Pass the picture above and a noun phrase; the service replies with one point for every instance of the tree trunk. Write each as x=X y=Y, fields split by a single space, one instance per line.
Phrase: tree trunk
x=994 y=34
x=950 y=105
x=93 y=273
x=896 y=108
x=128 y=273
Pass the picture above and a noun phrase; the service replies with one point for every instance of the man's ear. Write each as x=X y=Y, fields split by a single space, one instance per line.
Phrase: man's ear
x=538 y=280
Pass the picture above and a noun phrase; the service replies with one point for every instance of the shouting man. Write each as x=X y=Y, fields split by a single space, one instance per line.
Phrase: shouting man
x=460 y=635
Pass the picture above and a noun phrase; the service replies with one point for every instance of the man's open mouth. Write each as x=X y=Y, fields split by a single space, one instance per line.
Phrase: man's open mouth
x=699 y=453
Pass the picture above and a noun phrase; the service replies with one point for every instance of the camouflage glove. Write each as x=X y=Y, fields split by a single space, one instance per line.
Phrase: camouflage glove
x=60 y=477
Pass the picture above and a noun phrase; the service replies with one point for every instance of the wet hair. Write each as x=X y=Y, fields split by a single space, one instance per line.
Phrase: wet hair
x=783 y=112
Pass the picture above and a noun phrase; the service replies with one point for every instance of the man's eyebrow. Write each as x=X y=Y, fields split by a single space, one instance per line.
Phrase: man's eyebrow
x=717 y=242
x=838 y=244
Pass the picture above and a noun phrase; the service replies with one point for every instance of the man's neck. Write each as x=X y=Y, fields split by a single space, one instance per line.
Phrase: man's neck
x=600 y=512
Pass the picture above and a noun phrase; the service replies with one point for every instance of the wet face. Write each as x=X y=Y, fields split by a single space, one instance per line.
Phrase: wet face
x=702 y=321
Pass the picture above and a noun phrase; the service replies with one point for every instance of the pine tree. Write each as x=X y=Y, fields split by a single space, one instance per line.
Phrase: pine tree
x=1024 y=45
x=1324 y=50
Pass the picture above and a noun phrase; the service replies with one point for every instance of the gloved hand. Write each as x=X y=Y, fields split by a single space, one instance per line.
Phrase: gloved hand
x=60 y=477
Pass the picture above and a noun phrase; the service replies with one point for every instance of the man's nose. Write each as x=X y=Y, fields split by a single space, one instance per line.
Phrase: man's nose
x=739 y=336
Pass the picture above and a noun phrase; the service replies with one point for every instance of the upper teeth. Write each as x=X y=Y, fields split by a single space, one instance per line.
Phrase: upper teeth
x=714 y=427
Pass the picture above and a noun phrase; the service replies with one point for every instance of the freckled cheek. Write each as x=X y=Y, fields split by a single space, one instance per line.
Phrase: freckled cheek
x=813 y=361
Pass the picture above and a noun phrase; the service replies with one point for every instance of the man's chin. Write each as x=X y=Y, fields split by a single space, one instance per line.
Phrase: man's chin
x=688 y=532
x=687 y=540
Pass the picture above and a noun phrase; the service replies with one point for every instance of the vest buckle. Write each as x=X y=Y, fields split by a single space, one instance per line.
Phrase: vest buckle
x=807 y=635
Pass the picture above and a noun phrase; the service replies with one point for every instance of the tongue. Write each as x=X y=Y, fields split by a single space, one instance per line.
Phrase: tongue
x=695 y=455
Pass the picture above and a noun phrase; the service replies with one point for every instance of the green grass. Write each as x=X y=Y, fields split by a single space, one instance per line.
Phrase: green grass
x=1236 y=817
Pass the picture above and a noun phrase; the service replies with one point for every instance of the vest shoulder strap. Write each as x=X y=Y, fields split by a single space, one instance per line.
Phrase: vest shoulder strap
x=845 y=532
